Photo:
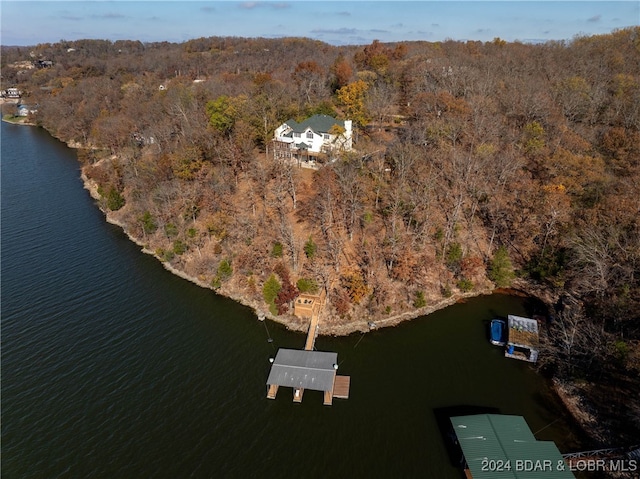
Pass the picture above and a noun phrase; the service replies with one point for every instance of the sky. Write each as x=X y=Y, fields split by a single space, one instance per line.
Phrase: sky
x=26 y=22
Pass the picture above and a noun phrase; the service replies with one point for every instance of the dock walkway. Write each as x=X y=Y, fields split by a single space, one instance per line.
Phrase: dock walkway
x=314 y=325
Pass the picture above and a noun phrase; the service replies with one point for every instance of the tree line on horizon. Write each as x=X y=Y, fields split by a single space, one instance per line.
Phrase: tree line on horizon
x=476 y=165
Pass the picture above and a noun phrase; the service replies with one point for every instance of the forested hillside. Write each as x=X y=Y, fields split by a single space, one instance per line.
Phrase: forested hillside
x=476 y=165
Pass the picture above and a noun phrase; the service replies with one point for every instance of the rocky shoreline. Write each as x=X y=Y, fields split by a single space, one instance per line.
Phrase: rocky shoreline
x=289 y=321
x=17 y=120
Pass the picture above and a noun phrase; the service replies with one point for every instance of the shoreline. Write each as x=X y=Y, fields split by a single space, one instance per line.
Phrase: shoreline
x=17 y=120
x=290 y=321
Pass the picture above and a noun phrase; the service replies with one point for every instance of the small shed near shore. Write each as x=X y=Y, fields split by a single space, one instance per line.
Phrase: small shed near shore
x=306 y=304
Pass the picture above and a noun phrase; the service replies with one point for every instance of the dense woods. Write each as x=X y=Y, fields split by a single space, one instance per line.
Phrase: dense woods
x=476 y=165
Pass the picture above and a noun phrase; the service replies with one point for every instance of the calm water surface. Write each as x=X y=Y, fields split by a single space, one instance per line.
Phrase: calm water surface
x=113 y=367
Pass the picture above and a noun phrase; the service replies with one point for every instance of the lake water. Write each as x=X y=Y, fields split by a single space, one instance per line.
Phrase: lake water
x=112 y=367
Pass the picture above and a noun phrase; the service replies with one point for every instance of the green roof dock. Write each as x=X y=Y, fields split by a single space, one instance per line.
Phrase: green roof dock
x=497 y=446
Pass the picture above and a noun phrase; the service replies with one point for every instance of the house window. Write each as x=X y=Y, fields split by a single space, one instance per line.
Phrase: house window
x=296 y=135
x=310 y=135
x=326 y=136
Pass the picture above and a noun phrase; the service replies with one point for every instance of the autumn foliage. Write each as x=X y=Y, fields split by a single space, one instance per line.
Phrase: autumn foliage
x=476 y=165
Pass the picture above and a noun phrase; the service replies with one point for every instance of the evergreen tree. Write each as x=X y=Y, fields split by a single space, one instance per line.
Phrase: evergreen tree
x=501 y=269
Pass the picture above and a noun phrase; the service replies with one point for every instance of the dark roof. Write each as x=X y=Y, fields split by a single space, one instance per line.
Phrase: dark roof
x=318 y=123
x=303 y=369
x=506 y=440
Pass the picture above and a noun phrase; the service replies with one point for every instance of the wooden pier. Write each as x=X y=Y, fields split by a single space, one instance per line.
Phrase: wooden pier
x=312 y=334
x=302 y=369
x=309 y=306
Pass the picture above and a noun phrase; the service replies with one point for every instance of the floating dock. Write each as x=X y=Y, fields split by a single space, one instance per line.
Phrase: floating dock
x=523 y=339
x=341 y=387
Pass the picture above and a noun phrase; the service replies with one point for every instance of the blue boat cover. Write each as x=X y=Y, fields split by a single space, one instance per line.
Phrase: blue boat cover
x=497 y=330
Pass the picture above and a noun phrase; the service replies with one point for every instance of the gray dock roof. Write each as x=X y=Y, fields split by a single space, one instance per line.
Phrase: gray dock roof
x=303 y=369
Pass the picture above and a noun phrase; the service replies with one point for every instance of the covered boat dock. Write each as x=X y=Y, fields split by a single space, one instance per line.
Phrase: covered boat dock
x=300 y=370
x=502 y=446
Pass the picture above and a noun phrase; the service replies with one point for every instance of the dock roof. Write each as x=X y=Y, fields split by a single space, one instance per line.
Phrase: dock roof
x=523 y=331
x=507 y=440
x=303 y=369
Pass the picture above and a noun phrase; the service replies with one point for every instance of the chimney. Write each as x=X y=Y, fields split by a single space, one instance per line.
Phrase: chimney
x=347 y=134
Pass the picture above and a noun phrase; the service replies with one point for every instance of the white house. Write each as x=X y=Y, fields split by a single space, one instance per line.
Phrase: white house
x=11 y=93
x=25 y=110
x=316 y=134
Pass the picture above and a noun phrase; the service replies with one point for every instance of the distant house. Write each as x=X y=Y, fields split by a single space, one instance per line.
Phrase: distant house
x=142 y=140
x=11 y=93
x=26 y=110
x=319 y=134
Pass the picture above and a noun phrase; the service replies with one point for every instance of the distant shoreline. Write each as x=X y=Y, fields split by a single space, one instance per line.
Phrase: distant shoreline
x=17 y=120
